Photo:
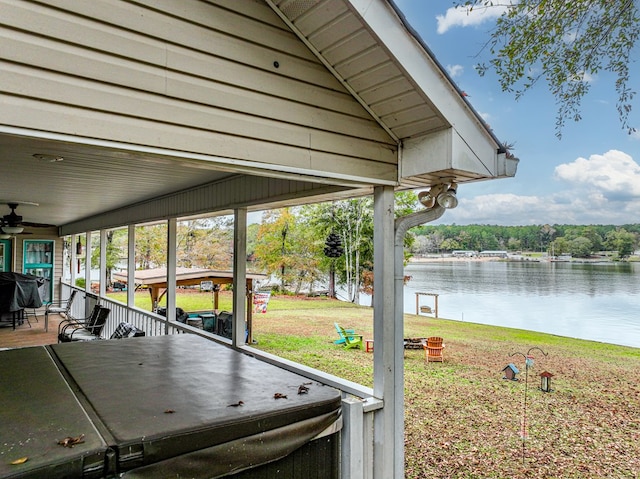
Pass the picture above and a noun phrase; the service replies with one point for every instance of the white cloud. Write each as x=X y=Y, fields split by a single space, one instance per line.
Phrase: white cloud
x=615 y=174
x=462 y=17
x=604 y=189
x=455 y=70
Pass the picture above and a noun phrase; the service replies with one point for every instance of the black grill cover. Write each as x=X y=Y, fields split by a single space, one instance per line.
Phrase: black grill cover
x=18 y=291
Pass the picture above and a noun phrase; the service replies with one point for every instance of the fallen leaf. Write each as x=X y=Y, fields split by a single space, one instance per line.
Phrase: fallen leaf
x=279 y=396
x=169 y=411
x=71 y=441
x=22 y=460
x=239 y=403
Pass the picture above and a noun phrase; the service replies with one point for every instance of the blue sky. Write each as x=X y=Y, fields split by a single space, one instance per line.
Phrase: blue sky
x=589 y=176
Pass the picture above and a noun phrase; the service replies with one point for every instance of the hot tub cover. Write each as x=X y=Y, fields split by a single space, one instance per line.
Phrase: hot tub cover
x=38 y=409
x=159 y=398
x=151 y=407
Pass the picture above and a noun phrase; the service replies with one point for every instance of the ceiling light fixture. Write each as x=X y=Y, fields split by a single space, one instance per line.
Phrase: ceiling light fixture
x=13 y=230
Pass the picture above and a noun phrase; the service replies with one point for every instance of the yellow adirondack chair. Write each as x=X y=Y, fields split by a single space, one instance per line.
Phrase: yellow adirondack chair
x=351 y=340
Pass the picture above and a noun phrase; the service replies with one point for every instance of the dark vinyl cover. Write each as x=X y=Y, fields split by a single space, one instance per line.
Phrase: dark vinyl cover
x=164 y=397
x=37 y=409
x=18 y=291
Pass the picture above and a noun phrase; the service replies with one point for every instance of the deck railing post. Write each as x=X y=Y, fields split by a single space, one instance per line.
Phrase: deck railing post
x=352 y=453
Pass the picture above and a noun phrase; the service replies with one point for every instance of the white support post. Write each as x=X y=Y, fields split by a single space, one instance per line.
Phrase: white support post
x=388 y=447
x=352 y=439
x=172 y=254
x=87 y=272
x=103 y=263
x=131 y=267
x=239 y=276
x=74 y=260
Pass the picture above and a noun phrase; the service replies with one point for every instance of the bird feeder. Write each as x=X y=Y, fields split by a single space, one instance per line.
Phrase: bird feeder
x=545 y=381
x=510 y=371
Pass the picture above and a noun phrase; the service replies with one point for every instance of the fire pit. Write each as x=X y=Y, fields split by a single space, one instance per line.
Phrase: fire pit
x=413 y=343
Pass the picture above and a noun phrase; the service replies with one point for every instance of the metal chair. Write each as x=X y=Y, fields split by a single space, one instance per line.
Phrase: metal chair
x=86 y=329
x=62 y=307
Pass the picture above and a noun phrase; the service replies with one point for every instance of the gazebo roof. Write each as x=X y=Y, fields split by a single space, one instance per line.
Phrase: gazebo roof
x=184 y=276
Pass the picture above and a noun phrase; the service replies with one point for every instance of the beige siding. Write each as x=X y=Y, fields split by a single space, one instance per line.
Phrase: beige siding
x=186 y=75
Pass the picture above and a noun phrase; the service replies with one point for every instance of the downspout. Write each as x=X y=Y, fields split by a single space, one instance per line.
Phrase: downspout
x=401 y=226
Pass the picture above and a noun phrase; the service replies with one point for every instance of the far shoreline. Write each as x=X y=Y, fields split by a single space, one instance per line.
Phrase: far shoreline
x=514 y=259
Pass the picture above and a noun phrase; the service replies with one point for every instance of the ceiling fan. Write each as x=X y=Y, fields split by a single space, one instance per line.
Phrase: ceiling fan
x=12 y=223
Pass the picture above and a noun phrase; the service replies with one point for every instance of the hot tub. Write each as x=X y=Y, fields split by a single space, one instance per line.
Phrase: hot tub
x=164 y=406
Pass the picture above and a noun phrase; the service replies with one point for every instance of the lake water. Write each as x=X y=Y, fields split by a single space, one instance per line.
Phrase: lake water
x=596 y=301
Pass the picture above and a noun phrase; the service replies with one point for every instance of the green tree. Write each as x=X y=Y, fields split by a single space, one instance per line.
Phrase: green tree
x=274 y=244
x=113 y=253
x=622 y=241
x=450 y=244
x=206 y=243
x=580 y=247
x=288 y=247
x=151 y=246
x=563 y=43
x=560 y=246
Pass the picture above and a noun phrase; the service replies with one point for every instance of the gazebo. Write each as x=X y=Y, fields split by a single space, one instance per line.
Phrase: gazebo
x=155 y=280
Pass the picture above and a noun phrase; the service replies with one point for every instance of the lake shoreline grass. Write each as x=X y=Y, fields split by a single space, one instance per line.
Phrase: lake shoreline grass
x=462 y=419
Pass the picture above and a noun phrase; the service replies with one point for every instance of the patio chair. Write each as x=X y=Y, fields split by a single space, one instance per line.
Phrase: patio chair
x=350 y=340
x=433 y=347
x=62 y=307
x=86 y=329
x=339 y=329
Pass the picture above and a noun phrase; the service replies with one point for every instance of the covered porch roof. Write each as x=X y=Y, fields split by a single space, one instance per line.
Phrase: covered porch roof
x=74 y=132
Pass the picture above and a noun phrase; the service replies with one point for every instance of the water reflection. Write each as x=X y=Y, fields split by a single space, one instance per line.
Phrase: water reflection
x=589 y=301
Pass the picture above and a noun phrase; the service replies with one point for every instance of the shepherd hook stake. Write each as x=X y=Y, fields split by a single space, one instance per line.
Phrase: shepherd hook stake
x=528 y=361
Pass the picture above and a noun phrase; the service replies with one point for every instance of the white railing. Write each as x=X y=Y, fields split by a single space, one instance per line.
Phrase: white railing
x=358 y=404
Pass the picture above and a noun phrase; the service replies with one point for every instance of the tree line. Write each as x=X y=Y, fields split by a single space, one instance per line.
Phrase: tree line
x=575 y=240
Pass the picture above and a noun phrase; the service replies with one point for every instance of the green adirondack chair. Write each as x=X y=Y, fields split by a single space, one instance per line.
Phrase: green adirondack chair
x=351 y=340
x=340 y=331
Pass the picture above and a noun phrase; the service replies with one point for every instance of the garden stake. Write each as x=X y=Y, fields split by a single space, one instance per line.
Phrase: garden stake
x=524 y=426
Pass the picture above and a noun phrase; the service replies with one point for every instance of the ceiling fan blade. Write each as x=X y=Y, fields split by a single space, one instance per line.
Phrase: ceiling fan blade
x=29 y=224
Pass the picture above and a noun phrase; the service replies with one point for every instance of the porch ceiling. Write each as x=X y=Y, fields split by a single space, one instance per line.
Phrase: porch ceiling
x=68 y=190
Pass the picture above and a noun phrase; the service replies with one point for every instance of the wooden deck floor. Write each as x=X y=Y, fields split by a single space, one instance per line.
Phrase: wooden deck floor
x=30 y=336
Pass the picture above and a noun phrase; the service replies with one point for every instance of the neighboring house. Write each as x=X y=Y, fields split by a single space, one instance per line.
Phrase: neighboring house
x=494 y=254
x=117 y=113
